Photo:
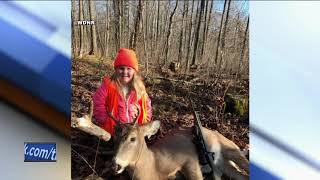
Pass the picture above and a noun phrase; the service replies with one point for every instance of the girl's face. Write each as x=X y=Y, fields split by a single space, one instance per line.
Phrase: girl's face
x=125 y=74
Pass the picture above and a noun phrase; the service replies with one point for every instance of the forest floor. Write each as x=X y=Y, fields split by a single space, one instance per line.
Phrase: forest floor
x=170 y=105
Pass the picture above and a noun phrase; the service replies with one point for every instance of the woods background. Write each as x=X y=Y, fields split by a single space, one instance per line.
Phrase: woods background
x=186 y=49
x=211 y=36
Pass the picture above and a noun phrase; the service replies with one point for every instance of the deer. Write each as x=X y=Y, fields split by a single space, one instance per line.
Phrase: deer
x=174 y=152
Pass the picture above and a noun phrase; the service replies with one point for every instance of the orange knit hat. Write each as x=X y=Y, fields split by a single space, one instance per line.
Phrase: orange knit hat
x=126 y=57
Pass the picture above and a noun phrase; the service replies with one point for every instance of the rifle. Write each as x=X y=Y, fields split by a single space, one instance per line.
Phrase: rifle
x=205 y=156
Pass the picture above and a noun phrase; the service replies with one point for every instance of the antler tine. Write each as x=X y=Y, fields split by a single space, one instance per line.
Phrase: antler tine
x=112 y=117
x=85 y=124
x=135 y=122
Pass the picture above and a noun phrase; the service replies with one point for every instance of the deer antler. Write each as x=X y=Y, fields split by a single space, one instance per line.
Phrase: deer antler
x=135 y=122
x=85 y=124
x=115 y=120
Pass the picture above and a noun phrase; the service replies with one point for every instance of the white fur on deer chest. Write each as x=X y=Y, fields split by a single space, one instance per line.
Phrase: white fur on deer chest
x=214 y=146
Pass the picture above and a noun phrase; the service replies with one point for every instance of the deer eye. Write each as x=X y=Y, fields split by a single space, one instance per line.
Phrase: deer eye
x=132 y=139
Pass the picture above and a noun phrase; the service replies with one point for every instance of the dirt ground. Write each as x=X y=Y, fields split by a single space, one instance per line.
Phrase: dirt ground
x=170 y=104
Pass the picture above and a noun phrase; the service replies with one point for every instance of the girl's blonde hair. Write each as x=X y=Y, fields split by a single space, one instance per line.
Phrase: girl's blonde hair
x=135 y=84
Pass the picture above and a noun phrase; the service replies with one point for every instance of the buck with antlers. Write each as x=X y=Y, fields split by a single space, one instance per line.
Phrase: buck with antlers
x=175 y=152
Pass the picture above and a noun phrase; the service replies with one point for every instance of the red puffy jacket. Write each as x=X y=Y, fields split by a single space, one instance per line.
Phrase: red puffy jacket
x=107 y=99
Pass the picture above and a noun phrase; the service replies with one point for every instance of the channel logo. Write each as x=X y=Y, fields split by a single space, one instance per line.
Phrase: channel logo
x=85 y=22
x=39 y=152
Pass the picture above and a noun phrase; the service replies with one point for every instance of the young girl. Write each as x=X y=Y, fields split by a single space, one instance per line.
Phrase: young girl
x=123 y=94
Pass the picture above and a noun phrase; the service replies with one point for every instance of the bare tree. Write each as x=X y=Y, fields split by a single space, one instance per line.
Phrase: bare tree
x=185 y=42
x=73 y=28
x=169 y=33
x=197 y=34
x=157 y=32
x=134 y=35
x=153 y=31
x=223 y=35
x=158 y=20
x=236 y=30
x=81 y=43
x=145 y=35
x=225 y=25
x=185 y=4
x=189 y=40
x=128 y=26
x=107 y=30
x=120 y=21
x=219 y=36
x=243 y=46
x=206 y=27
x=117 y=34
x=92 y=11
x=145 y=27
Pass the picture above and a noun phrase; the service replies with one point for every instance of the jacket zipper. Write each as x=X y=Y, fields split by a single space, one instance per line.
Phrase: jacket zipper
x=127 y=109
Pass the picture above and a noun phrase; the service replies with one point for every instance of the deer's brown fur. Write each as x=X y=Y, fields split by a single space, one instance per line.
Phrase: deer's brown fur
x=175 y=152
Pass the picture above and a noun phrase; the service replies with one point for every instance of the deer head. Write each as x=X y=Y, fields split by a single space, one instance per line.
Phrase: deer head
x=130 y=143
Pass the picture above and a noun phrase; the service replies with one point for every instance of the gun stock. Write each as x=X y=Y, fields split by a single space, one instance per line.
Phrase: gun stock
x=203 y=150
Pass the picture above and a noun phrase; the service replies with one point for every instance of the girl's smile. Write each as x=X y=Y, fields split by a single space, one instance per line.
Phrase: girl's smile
x=125 y=74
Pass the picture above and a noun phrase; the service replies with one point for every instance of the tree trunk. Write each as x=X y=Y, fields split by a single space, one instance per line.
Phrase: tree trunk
x=197 y=34
x=107 y=30
x=158 y=19
x=225 y=25
x=124 y=24
x=205 y=28
x=128 y=27
x=81 y=37
x=117 y=24
x=223 y=37
x=133 y=40
x=236 y=30
x=169 y=33
x=220 y=31
x=146 y=26
x=92 y=11
x=120 y=10
x=157 y=32
x=153 y=33
x=185 y=43
x=182 y=32
x=243 y=46
x=189 y=43
x=146 y=37
x=73 y=28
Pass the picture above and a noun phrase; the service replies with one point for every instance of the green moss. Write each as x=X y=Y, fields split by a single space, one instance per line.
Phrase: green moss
x=236 y=104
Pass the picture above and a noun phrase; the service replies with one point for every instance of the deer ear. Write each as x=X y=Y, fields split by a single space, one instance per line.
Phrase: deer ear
x=150 y=128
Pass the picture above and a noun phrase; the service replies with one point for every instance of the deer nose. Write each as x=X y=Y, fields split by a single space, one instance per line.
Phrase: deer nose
x=115 y=166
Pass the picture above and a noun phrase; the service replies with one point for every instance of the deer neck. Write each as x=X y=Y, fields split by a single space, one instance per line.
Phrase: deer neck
x=144 y=168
